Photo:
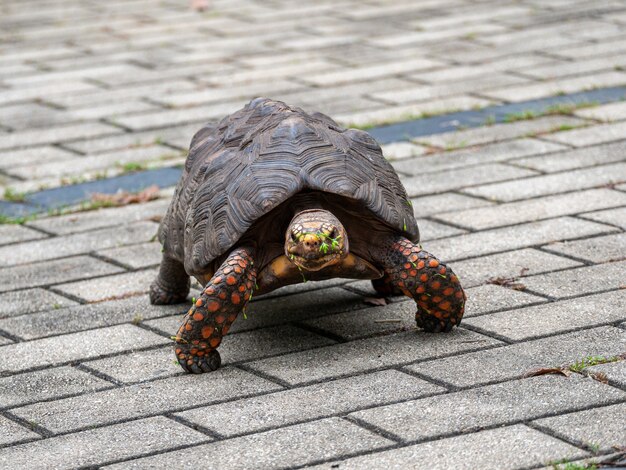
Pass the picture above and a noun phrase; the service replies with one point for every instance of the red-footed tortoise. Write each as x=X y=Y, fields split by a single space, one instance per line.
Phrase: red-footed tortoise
x=272 y=193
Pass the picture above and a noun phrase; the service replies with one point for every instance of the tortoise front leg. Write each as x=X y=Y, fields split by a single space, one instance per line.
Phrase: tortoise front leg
x=211 y=316
x=418 y=274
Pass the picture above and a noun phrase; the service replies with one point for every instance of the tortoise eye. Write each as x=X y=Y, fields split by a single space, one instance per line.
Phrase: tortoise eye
x=294 y=236
x=333 y=233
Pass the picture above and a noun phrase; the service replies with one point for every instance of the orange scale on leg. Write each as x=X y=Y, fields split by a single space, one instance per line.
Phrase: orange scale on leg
x=420 y=265
x=227 y=270
x=225 y=329
x=445 y=305
x=200 y=353
x=407 y=265
x=207 y=331
x=435 y=285
x=178 y=350
x=241 y=288
x=198 y=316
x=424 y=277
x=213 y=306
x=433 y=263
x=220 y=319
x=459 y=295
x=238 y=270
x=413 y=272
x=232 y=317
x=420 y=289
x=448 y=291
x=222 y=295
x=442 y=270
x=188 y=327
x=215 y=342
x=235 y=298
x=437 y=299
x=404 y=275
x=209 y=290
x=231 y=280
x=217 y=280
x=195 y=341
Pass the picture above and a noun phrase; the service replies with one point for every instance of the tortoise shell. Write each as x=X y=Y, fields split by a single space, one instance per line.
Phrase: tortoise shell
x=260 y=156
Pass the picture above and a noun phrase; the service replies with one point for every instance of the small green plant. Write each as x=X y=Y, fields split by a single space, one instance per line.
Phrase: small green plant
x=521 y=116
x=131 y=167
x=590 y=361
x=490 y=120
x=324 y=247
x=137 y=319
x=13 y=196
x=56 y=306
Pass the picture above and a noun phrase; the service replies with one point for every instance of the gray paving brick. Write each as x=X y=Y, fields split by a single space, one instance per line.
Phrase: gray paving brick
x=30 y=115
x=12 y=233
x=425 y=92
x=435 y=204
x=615 y=372
x=596 y=250
x=97 y=446
x=312 y=402
x=492 y=298
x=430 y=230
x=56 y=134
x=498 y=132
x=457 y=178
x=394 y=317
x=51 y=272
x=84 y=345
x=510 y=362
x=577 y=158
x=58 y=247
x=406 y=112
x=535 y=209
x=139 y=256
x=16 y=158
x=585 y=280
x=56 y=321
x=11 y=432
x=139 y=366
x=29 y=301
x=402 y=150
x=490 y=153
x=514 y=237
x=141 y=400
x=280 y=448
x=371 y=72
x=556 y=317
x=554 y=87
x=111 y=287
x=84 y=165
x=544 y=185
x=607 y=112
x=611 y=216
x=499 y=404
x=583 y=426
x=517 y=445
x=16 y=95
x=361 y=355
x=590 y=136
x=106 y=217
x=47 y=384
x=182 y=134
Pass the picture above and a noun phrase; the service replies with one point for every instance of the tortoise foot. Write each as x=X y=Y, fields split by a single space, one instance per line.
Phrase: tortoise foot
x=195 y=364
x=432 y=324
x=161 y=296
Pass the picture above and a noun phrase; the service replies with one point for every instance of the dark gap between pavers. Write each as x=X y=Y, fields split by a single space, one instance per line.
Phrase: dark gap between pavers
x=55 y=198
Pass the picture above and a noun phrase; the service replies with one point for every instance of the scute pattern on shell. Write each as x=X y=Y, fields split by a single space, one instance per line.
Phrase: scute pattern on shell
x=256 y=159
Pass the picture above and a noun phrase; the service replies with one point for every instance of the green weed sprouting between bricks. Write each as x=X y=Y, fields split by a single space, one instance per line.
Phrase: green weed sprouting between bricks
x=573 y=466
x=590 y=361
x=13 y=196
x=131 y=167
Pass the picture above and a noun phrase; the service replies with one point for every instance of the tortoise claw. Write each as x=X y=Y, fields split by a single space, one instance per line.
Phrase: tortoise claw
x=431 y=324
x=199 y=364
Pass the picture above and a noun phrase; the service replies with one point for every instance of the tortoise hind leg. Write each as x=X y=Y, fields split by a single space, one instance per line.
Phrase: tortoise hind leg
x=210 y=318
x=171 y=285
x=418 y=274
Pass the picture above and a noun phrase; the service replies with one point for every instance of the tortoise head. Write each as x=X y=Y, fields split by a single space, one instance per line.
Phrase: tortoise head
x=315 y=239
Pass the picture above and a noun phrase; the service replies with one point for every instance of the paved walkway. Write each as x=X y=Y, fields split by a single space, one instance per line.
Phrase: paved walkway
x=530 y=211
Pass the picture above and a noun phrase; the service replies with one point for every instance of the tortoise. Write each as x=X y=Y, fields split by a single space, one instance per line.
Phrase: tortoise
x=272 y=196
